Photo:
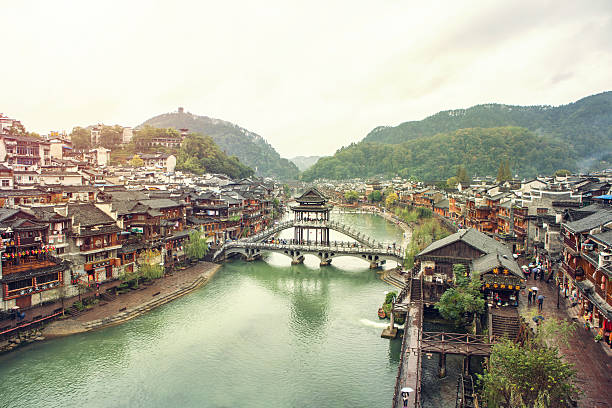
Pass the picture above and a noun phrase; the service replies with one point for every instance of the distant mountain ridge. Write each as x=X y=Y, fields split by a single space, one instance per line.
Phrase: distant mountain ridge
x=582 y=124
x=250 y=148
x=576 y=136
x=304 y=162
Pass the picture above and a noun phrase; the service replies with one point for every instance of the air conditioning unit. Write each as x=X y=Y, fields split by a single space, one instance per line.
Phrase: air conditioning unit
x=604 y=257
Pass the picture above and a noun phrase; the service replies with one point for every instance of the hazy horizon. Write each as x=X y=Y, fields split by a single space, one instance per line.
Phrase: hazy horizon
x=309 y=78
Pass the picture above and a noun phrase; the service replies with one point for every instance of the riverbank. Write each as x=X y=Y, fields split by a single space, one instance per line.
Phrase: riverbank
x=133 y=304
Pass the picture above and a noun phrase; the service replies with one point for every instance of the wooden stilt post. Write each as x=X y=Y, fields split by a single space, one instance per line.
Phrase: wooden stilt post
x=442 y=366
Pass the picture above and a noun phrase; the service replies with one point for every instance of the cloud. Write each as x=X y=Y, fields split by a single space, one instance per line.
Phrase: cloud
x=308 y=76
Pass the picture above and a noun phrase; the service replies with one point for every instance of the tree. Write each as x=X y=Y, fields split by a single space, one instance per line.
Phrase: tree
x=199 y=154
x=375 y=196
x=462 y=175
x=452 y=182
x=562 y=173
x=507 y=173
x=17 y=129
x=391 y=199
x=500 y=173
x=533 y=375
x=351 y=196
x=81 y=138
x=136 y=161
x=463 y=299
x=111 y=136
x=197 y=245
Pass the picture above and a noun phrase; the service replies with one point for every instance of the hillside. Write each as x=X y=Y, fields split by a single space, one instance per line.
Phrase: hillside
x=250 y=148
x=582 y=125
x=304 y=162
x=437 y=157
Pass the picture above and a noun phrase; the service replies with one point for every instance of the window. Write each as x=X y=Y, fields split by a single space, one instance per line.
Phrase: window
x=5 y=183
x=60 y=250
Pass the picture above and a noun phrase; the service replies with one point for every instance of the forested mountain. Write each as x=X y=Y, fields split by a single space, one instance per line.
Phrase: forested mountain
x=437 y=157
x=249 y=147
x=304 y=162
x=541 y=139
x=582 y=124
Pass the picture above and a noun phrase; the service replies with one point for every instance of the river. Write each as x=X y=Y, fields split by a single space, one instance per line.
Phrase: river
x=260 y=334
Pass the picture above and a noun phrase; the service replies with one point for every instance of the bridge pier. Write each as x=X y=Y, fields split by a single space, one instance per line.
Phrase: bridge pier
x=374 y=265
x=466 y=366
x=297 y=259
x=325 y=262
x=391 y=331
x=442 y=366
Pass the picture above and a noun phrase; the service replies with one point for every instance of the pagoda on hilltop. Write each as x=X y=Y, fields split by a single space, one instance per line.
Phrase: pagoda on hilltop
x=311 y=216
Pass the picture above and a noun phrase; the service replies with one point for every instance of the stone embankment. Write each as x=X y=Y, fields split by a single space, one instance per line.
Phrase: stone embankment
x=25 y=337
x=67 y=327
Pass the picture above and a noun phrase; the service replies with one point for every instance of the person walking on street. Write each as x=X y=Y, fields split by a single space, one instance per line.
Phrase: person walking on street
x=540 y=302
x=529 y=295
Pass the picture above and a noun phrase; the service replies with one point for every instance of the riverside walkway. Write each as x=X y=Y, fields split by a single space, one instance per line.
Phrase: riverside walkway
x=411 y=301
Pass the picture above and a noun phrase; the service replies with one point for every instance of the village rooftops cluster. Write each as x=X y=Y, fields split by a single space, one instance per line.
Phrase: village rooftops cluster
x=58 y=238
x=565 y=222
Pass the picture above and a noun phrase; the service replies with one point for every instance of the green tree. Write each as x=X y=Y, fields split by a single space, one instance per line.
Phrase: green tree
x=197 y=246
x=500 y=173
x=391 y=199
x=136 y=161
x=351 y=196
x=111 y=136
x=81 y=138
x=533 y=375
x=199 y=154
x=507 y=173
x=463 y=299
x=375 y=196
x=452 y=182
x=562 y=173
x=462 y=175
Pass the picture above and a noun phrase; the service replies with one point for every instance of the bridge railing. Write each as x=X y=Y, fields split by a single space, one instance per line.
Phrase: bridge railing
x=335 y=246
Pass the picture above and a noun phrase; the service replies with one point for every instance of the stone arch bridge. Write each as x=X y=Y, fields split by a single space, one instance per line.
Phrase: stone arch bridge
x=366 y=248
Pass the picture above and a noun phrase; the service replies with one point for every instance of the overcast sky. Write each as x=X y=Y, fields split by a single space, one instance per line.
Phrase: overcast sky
x=308 y=76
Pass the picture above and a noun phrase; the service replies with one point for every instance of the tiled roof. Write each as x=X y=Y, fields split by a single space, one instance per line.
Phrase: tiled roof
x=88 y=215
x=597 y=219
x=487 y=262
x=473 y=238
x=160 y=203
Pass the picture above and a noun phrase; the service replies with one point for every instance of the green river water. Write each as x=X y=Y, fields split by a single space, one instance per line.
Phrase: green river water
x=260 y=334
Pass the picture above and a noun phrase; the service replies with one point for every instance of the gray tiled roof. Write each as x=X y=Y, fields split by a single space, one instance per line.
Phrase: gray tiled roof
x=160 y=203
x=88 y=215
x=473 y=238
x=592 y=221
x=604 y=237
x=490 y=261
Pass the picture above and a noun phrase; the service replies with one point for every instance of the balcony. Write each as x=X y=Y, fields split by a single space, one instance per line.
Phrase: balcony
x=591 y=257
x=89 y=249
x=574 y=273
x=29 y=241
x=27 y=266
x=569 y=243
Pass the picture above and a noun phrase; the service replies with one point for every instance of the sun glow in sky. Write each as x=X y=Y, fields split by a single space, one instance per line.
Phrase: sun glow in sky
x=309 y=77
